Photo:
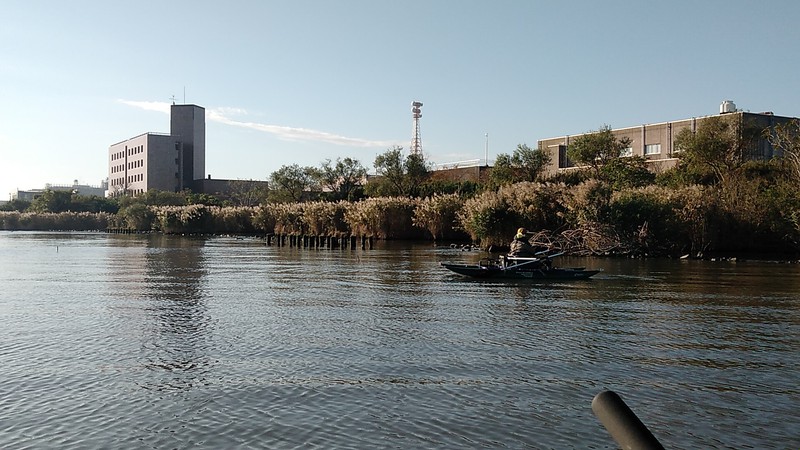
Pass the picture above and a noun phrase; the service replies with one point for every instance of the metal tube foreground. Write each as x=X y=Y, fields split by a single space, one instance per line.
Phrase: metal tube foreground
x=623 y=425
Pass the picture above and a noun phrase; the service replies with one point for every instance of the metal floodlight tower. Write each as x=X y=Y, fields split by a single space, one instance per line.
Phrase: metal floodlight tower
x=416 y=142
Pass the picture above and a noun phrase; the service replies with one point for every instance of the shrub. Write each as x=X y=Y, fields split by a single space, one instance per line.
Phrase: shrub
x=326 y=218
x=383 y=218
x=63 y=221
x=264 y=219
x=137 y=216
x=438 y=215
x=493 y=217
x=184 y=219
x=233 y=219
x=288 y=218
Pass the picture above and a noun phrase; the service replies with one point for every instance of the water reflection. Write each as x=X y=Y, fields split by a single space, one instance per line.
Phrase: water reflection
x=161 y=279
x=176 y=346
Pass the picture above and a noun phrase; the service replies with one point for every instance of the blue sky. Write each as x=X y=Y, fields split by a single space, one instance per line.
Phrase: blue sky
x=298 y=82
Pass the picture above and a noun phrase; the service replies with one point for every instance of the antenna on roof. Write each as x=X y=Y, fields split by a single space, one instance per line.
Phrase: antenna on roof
x=173 y=99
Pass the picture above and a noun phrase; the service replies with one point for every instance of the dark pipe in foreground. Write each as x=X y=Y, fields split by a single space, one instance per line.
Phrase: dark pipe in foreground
x=623 y=425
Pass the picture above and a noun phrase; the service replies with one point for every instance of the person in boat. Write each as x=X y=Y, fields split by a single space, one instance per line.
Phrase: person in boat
x=520 y=245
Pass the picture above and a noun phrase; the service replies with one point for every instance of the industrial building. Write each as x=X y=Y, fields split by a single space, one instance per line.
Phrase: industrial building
x=656 y=142
x=167 y=162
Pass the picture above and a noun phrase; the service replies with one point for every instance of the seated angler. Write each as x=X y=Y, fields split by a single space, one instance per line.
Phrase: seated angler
x=520 y=245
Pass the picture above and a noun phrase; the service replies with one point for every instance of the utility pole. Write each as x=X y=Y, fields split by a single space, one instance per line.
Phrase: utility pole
x=487 y=149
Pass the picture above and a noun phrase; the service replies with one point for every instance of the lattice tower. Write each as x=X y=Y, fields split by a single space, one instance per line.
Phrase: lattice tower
x=416 y=141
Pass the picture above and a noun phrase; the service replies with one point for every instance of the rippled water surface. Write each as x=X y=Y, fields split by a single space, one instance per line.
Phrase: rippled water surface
x=169 y=342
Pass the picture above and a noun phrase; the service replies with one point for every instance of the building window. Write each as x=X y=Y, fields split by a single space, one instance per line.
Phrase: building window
x=563 y=161
x=652 y=149
x=626 y=152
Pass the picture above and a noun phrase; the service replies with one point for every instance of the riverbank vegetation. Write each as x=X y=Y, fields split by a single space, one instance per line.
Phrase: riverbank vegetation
x=717 y=200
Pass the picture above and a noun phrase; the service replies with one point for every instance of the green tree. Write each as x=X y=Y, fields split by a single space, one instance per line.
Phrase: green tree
x=525 y=164
x=93 y=203
x=502 y=172
x=193 y=198
x=344 y=178
x=721 y=145
x=597 y=149
x=417 y=172
x=154 y=197
x=52 y=201
x=399 y=176
x=15 y=205
x=529 y=163
x=628 y=172
x=247 y=193
x=292 y=183
x=389 y=166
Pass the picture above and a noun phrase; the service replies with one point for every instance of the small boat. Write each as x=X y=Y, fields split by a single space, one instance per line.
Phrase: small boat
x=519 y=267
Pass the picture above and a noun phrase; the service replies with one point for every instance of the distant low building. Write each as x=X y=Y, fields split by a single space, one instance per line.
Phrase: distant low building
x=460 y=173
x=76 y=188
x=656 y=142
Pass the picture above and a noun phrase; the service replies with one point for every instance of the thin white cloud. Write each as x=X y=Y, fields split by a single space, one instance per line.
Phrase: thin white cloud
x=162 y=107
x=223 y=116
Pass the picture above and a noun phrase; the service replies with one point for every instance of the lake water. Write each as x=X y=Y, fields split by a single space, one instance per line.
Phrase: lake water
x=151 y=341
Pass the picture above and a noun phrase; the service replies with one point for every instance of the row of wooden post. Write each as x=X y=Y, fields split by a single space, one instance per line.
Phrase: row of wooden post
x=295 y=240
x=307 y=241
x=121 y=231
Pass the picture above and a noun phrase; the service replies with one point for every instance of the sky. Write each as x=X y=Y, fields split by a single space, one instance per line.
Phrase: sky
x=304 y=81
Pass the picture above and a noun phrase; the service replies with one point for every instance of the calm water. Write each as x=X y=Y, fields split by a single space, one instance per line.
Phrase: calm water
x=167 y=342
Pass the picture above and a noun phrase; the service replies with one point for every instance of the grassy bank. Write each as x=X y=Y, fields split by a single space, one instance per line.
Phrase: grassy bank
x=587 y=218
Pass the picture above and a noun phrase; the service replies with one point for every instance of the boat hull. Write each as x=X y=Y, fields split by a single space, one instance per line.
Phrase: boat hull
x=499 y=272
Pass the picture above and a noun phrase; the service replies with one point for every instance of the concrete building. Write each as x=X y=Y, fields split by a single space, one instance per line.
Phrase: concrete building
x=656 y=142
x=167 y=162
x=76 y=188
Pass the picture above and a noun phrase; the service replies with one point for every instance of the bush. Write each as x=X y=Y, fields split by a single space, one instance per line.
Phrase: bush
x=326 y=218
x=264 y=219
x=46 y=221
x=588 y=202
x=645 y=220
x=438 y=215
x=383 y=218
x=184 y=219
x=233 y=219
x=628 y=172
x=493 y=217
x=136 y=217
x=288 y=218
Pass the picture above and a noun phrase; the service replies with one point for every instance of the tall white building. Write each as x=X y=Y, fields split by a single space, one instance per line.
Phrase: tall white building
x=167 y=162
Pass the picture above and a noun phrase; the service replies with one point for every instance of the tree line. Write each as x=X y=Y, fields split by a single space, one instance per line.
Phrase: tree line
x=717 y=199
